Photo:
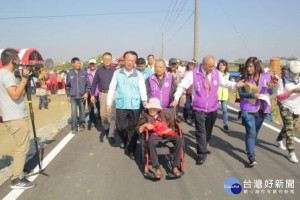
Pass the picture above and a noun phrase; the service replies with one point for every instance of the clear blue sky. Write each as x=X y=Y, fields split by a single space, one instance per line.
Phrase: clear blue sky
x=229 y=29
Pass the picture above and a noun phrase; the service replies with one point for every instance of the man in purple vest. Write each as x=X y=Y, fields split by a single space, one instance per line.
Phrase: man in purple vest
x=161 y=85
x=206 y=80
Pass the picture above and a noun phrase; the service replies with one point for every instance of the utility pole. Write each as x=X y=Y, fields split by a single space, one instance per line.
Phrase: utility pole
x=162 y=44
x=196 y=31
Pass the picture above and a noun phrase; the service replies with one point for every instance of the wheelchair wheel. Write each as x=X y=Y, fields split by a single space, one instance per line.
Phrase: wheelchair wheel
x=143 y=151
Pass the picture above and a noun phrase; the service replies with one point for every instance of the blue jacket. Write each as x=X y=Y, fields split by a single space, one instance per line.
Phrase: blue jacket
x=146 y=73
x=77 y=84
x=128 y=95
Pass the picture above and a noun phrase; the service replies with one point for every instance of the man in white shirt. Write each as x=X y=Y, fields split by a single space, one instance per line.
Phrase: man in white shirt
x=14 y=114
x=206 y=80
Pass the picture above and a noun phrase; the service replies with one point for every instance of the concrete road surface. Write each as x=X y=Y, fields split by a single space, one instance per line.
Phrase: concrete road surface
x=89 y=169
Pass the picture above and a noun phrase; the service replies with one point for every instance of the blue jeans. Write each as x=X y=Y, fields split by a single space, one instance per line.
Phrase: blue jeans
x=81 y=120
x=43 y=102
x=252 y=123
x=225 y=112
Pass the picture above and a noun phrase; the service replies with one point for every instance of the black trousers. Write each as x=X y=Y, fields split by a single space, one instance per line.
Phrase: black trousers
x=126 y=122
x=204 y=122
x=153 y=142
x=91 y=106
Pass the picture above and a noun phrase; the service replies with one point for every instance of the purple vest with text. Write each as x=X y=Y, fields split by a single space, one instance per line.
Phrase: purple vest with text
x=163 y=93
x=203 y=101
x=247 y=106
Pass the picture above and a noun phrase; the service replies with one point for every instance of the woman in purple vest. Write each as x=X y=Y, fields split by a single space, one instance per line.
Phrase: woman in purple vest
x=253 y=111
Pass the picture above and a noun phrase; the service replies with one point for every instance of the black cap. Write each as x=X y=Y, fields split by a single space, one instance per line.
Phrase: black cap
x=173 y=61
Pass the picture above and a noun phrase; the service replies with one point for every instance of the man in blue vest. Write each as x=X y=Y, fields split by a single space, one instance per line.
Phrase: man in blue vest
x=129 y=85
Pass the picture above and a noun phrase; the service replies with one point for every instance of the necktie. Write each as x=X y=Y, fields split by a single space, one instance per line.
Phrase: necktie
x=207 y=83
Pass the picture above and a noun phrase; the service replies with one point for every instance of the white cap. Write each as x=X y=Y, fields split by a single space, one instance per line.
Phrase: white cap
x=294 y=66
x=93 y=60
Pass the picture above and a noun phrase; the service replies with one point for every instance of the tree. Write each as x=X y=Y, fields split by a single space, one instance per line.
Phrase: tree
x=293 y=58
x=65 y=66
x=99 y=58
x=241 y=60
x=49 y=63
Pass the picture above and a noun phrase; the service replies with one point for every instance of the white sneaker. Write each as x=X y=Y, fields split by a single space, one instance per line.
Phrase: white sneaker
x=292 y=157
x=280 y=145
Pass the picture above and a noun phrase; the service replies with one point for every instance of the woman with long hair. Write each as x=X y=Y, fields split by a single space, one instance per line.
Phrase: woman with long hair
x=253 y=109
x=223 y=93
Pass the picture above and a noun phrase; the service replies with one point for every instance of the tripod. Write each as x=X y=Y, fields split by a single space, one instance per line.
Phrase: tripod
x=29 y=100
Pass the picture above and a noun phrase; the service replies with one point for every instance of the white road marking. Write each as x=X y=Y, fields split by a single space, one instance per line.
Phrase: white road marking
x=14 y=194
x=265 y=124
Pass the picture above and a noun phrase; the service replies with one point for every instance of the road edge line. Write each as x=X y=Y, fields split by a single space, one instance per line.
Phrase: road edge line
x=16 y=193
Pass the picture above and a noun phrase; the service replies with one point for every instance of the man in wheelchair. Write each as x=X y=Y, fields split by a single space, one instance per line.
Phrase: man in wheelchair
x=160 y=124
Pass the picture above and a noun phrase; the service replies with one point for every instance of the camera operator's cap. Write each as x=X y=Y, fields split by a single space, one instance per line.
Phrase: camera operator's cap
x=154 y=103
x=294 y=66
x=93 y=60
x=173 y=61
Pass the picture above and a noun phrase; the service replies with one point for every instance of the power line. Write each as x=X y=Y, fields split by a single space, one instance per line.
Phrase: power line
x=184 y=23
x=83 y=15
x=234 y=27
x=173 y=10
x=164 y=21
x=178 y=14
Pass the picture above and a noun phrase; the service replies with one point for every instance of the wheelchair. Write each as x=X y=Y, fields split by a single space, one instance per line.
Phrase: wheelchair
x=164 y=148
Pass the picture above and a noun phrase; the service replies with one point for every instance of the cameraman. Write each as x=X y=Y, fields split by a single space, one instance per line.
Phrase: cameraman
x=14 y=114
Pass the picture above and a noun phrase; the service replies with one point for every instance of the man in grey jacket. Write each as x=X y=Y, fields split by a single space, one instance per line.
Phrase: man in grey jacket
x=77 y=87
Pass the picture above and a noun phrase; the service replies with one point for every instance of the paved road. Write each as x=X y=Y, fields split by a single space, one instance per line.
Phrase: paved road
x=89 y=169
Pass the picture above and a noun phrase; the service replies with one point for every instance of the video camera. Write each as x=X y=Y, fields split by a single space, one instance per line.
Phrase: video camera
x=33 y=68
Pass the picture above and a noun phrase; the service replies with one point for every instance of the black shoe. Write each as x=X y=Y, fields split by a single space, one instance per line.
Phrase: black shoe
x=122 y=145
x=130 y=155
x=81 y=128
x=225 y=128
x=21 y=184
x=200 y=160
x=252 y=162
x=111 y=140
x=89 y=127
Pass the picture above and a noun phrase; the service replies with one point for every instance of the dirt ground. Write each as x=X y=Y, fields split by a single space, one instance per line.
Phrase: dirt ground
x=58 y=108
x=48 y=123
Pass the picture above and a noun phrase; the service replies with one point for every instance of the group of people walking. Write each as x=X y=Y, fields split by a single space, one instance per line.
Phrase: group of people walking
x=117 y=95
x=125 y=92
